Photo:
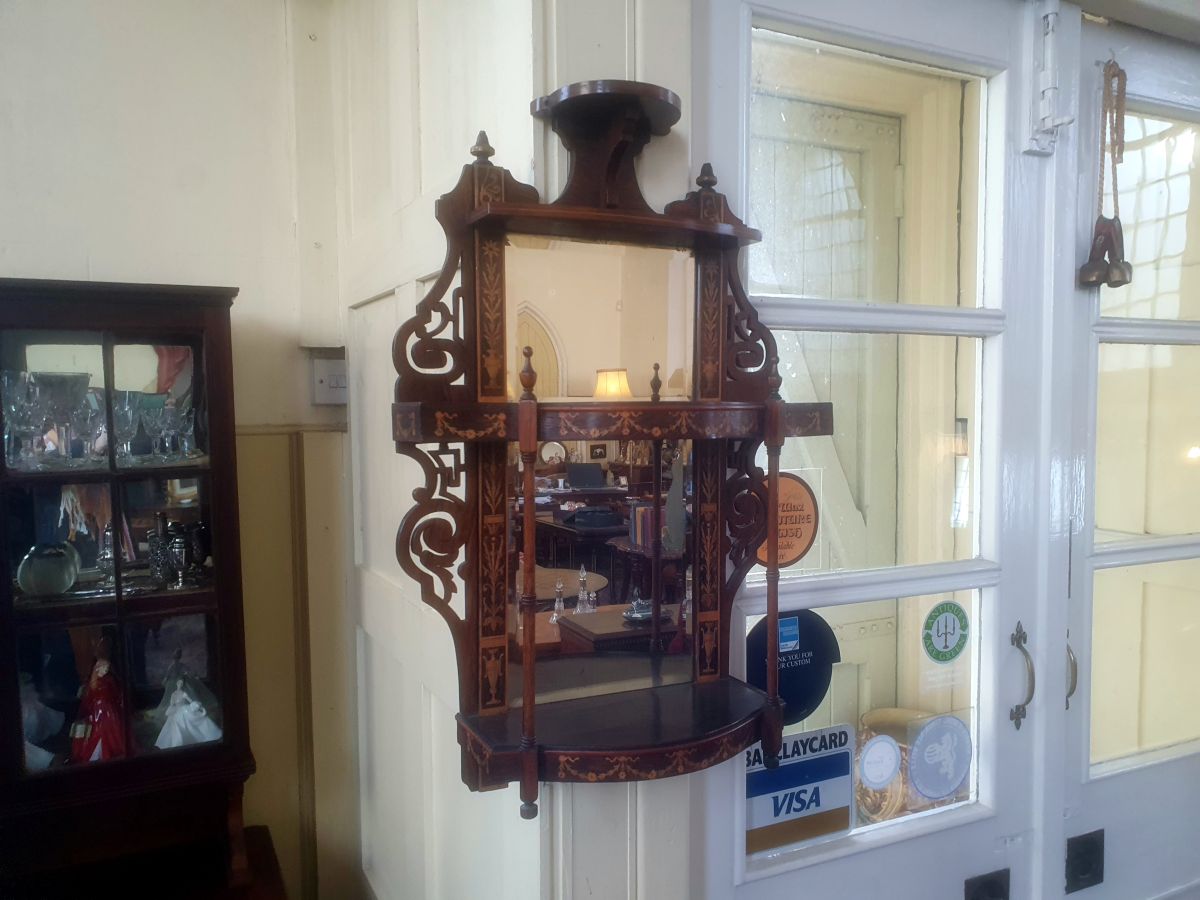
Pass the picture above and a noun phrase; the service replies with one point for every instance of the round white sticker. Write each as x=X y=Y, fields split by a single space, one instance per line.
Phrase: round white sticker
x=940 y=757
x=879 y=763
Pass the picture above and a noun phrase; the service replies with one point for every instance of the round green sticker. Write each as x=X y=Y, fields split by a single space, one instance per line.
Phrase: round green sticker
x=945 y=633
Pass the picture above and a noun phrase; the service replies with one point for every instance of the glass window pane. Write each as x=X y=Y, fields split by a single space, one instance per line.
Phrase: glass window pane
x=167 y=542
x=53 y=387
x=172 y=670
x=60 y=543
x=859 y=171
x=1147 y=441
x=159 y=408
x=895 y=483
x=1157 y=183
x=1145 y=670
x=903 y=667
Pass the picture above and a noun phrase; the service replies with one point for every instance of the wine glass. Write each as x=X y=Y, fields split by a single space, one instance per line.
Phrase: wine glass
x=86 y=422
x=187 y=434
x=125 y=424
x=61 y=393
x=27 y=423
x=14 y=390
x=171 y=421
x=152 y=421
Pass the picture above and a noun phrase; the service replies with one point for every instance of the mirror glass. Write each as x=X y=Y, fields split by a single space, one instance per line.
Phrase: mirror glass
x=598 y=316
x=594 y=522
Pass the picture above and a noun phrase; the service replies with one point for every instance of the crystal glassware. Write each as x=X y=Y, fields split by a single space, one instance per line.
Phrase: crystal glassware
x=105 y=558
x=187 y=434
x=170 y=428
x=60 y=394
x=558 y=602
x=86 y=423
x=641 y=606
x=152 y=421
x=179 y=548
x=14 y=393
x=27 y=425
x=125 y=424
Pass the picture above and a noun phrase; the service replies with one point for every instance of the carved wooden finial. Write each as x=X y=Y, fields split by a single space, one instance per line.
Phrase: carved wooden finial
x=774 y=381
x=528 y=376
x=655 y=384
x=482 y=150
x=706 y=179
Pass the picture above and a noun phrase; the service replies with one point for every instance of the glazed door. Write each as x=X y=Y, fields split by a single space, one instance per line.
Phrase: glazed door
x=901 y=286
x=1134 y=719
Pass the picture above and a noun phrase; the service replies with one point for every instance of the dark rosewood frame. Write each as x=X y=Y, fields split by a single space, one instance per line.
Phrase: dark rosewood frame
x=453 y=417
x=81 y=814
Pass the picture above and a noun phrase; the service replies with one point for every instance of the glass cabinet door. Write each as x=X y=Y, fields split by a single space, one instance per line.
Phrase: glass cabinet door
x=107 y=547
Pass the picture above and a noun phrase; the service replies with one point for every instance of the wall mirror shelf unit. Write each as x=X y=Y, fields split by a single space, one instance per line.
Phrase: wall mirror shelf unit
x=561 y=328
x=123 y=714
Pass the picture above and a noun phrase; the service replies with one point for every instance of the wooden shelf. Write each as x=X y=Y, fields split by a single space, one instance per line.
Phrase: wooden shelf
x=649 y=733
x=94 y=475
x=636 y=420
x=169 y=603
x=600 y=225
x=65 y=611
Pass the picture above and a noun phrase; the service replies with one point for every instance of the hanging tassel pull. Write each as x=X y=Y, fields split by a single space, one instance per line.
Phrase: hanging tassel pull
x=1106 y=263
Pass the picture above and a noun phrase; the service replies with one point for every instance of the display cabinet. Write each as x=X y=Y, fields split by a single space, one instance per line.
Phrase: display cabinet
x=535 y=303
x=123 y=720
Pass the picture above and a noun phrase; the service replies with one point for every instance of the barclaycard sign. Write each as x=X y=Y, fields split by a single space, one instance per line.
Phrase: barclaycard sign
x=809 y=795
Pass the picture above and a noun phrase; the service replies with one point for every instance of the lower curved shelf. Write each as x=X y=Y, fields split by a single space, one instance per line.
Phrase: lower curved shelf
x=638 y=735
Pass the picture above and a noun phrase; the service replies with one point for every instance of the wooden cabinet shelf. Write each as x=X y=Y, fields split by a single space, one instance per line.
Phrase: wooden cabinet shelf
x=422 y=422
x=586 y=223
x=650 y=733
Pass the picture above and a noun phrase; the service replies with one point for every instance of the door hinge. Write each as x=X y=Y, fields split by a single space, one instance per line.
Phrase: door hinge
x=1045 y=117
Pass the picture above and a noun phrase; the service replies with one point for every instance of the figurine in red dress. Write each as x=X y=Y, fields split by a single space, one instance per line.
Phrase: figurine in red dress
x=98 y=732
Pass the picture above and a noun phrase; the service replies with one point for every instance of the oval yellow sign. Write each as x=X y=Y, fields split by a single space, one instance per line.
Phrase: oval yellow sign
x=798 y=519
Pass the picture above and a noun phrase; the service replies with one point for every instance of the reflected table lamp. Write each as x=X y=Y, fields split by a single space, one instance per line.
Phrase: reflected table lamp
x=612 y=384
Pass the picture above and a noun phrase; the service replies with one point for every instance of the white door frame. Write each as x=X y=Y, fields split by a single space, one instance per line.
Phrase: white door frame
x=1145 y=804
x=1018 y=796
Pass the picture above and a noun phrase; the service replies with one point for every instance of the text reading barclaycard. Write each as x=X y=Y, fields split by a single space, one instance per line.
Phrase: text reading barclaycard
x=804 y=745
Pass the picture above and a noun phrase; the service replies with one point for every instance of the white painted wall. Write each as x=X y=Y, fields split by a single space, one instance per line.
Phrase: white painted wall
x=190 y=141
x=145 y=141
x=413 y=83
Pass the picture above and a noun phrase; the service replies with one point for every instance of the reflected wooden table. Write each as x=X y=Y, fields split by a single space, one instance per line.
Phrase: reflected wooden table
x=544 y=581
x=606 y=629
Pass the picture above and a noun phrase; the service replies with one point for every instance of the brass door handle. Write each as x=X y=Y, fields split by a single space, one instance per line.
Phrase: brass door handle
x=1018 y=639
x=1073 y=677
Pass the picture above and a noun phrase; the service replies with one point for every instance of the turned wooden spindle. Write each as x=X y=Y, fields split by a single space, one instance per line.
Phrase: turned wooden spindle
x=527 y=440
x=772 y=740
x=655 y=385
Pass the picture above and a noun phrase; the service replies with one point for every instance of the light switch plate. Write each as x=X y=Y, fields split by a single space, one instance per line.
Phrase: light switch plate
x=330 y=382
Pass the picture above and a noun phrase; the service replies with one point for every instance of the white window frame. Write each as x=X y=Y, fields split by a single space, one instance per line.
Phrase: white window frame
x=1016 y=312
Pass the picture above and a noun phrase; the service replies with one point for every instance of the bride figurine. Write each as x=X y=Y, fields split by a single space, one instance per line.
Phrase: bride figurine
x=187 y=722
